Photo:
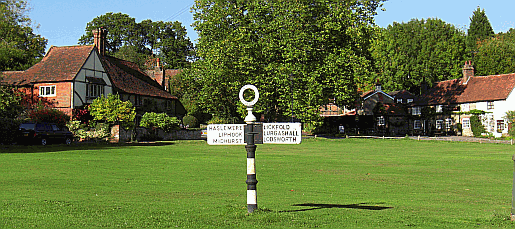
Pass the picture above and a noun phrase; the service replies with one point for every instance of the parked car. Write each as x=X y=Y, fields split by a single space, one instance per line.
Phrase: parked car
x=44 y=133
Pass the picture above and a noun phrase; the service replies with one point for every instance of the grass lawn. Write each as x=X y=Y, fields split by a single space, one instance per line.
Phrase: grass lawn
x=354 y=183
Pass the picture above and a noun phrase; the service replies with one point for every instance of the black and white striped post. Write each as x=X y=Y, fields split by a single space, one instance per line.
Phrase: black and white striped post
x=250 y=148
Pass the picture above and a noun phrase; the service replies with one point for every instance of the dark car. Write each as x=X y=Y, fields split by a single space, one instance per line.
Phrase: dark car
x=43 y=133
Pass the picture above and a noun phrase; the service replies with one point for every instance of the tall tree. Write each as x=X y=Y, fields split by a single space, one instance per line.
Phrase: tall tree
x=20 y=48
x=479 y=29
x=167 y=40
x=300 y=54
x=407 y=54
x=496 y=55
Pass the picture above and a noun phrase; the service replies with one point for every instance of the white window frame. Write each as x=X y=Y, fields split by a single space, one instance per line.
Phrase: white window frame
x=439 y=124
x=416 y=111
x=417 y=125
x=399 y=100
x=47 y=91
x=94 y=90
x=439 y=109
x=465 y=107
x=448 y=123
x=409 y=100
x=490 y=105
x=465 y=123
x=501 y=125
x=381 y=121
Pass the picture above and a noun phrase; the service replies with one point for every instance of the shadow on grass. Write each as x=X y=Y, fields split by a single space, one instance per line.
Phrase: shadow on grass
x=313 y=206
x=74 y=147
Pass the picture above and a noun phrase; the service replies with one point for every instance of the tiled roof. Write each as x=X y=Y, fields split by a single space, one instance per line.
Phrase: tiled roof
x=129 y=78
x=488 y=88
x=63 y=63
x=403 y=94
x=444 y=92
x=59 y=64
x=477 y=89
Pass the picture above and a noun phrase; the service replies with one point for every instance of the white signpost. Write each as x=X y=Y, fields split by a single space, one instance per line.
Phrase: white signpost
x=282 y=133
x=225 y=134
x=273 y=133
x=249 y=134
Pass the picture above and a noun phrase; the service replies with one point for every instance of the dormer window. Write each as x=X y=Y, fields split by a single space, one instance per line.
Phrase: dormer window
x=410 y=100
x=399 y=100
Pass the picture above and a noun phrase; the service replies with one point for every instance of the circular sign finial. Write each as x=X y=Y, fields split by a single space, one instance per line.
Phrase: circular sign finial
x=256 y=95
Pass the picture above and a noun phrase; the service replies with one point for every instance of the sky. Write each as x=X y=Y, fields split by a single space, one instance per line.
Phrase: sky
x=63 y=22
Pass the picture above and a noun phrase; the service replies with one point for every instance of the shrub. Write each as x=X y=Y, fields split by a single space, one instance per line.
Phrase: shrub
x=476 y=126
x=100 y=131
x=161 y=120
x=47 y=114
x=190 y=121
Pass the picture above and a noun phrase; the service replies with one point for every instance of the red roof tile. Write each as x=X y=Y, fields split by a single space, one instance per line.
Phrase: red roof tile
x=444 y=92
x=59 y=64
x=63 y=64
x=488 y=88
x=128 y=77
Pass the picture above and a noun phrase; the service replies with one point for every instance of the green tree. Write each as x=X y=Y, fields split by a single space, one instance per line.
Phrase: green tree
x=299 y=54
x=479 y=29
x=496 y=55
x=20 y=48
x=167 y=40
x=407 y=54
x=113 y=110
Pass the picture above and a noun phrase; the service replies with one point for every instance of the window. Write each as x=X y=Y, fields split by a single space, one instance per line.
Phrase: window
x=465 y=107
x=439 y=108
x=439 y=124
x=410 y=100
x=500 y=126
x=416 y=111
x=399 y=100
x=381 y=121
x=466 y=123
x=490 y=105
x=46 y=91
x=448 y=123
x=417 y=125
x=94 y=90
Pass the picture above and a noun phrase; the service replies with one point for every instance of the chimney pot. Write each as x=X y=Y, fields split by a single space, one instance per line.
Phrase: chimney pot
x=468 y=72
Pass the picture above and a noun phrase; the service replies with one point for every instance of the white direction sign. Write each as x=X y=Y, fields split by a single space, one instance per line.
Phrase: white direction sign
x=225 y=134
x=282 y=133
x=273 y=133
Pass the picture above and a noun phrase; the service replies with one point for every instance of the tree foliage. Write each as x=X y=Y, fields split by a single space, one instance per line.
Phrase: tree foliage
x=299 y=54
x=166 y=39
x=496 y=55
x=20 y=48
x=406 y=54
x=113 y=110
x=479 y=29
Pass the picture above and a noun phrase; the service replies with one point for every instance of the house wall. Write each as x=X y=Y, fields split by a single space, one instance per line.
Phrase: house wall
x=92 y=68
x=490 y=119
x=62 y=97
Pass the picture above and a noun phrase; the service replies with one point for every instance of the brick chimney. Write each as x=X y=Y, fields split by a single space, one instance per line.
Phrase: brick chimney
x=468 y=72
x=99 y=38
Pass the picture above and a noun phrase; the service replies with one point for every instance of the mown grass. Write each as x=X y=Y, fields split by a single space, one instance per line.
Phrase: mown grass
x=353 y=183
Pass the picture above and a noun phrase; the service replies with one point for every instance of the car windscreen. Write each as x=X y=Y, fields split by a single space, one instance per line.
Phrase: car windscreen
x=27 y=126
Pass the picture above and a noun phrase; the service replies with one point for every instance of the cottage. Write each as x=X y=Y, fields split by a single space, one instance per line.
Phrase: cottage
x=73 y=76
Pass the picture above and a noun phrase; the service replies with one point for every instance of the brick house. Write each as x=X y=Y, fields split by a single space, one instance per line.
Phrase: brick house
x=73 y=76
